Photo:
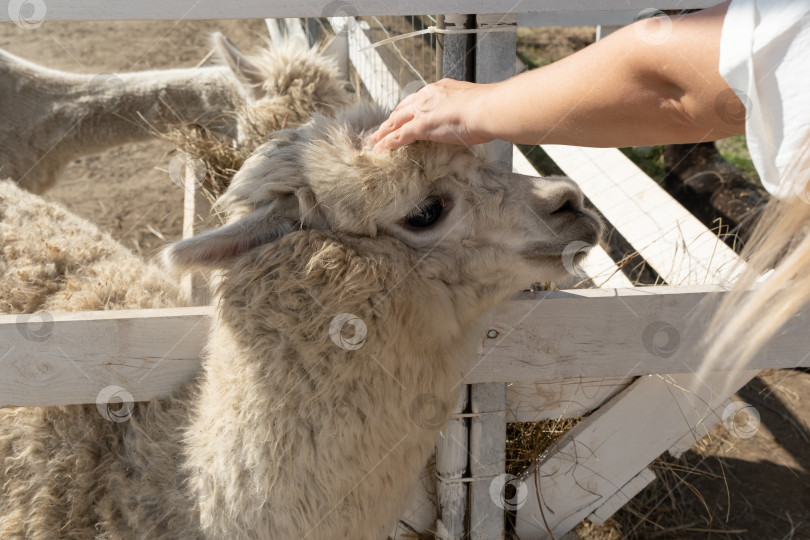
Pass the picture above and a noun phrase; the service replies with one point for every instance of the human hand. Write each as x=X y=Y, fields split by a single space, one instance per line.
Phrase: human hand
x=445 y=111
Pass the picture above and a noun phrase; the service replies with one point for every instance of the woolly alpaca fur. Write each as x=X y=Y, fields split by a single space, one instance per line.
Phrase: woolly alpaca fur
x=49 y=118
x=290 y=431
x=66 y=471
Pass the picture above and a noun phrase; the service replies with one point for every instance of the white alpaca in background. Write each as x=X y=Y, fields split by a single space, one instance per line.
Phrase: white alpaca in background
x=49 y=118
x=350 y=288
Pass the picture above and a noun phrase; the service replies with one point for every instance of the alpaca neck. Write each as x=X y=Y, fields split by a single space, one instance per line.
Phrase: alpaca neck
x=68 y=115
x=133 y=106
x=311 y=425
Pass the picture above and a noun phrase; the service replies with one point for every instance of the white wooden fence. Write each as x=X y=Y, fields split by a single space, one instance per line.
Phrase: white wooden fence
x=624 y=356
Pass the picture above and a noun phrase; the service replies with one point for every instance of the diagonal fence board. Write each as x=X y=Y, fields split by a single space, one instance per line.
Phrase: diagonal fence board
x=598 y=266
x=674 y=242
x=622 y=496
x=592 y=462
x=377 y=78
x=583 y=473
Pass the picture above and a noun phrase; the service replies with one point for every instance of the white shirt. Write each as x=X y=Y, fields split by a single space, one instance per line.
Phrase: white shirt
x=765 y=58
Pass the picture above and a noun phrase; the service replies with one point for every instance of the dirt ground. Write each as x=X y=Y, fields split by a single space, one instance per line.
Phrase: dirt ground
x=756 y=487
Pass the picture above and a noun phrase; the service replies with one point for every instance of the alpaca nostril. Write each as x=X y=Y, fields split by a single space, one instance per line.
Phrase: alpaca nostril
x=565 y=207
x=568 y=205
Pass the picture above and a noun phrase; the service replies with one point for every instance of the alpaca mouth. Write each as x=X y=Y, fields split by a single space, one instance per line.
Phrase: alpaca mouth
x=574 y=252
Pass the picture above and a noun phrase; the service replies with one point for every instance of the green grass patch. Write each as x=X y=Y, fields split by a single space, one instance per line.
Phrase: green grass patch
x=735 y=151
x=649 y=159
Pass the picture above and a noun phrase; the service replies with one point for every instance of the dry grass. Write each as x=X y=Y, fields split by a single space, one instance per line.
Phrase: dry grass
x=670 y=508
x=526 y=441
x=222 y=158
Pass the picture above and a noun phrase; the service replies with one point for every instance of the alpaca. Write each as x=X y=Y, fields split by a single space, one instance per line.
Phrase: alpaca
x=49 y=118
x=53 y=458
x=350 y=285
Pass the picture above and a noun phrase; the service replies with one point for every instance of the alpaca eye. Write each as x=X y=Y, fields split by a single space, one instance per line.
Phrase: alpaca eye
x=428 y=213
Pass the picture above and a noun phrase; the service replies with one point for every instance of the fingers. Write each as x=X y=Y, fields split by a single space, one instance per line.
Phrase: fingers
x=408 y=111
x=436 y=112
x=406 y=134
x=398 y=118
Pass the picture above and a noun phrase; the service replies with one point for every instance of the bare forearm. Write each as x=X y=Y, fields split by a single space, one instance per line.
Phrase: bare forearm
x=621 y=91
x=654 y=82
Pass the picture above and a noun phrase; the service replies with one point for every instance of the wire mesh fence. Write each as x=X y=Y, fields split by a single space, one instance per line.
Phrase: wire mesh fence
x=401 y=66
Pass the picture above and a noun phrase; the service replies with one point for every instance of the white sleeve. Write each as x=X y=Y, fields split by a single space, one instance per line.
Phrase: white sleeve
x=765 y=58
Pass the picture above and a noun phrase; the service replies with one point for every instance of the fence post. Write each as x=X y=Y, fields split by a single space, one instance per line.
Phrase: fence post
x=452 y=450
x=458 y=50
x=495 y=54
x=452 y=453
x=487 y=460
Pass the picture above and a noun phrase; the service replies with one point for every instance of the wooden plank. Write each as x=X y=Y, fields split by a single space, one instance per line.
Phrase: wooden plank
x=451 y=465
x=529 y=401
x=598 y=266
x=538 y=336
x=188 y=172
x=622 y=496
x=666 y=235
x=614 y=333
x=602 y=271
x=693 y=437
x=487 y=459
x=72 y=356
x=591 y=463
x=577 y=18
x=102 y=10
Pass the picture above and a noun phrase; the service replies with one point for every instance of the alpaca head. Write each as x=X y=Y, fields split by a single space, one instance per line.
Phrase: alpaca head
x=412 y=246
x=459 y=220
x=283 y=85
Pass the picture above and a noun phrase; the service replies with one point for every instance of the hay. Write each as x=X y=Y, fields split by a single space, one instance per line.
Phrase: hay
x=526 y=441
x=222 y=158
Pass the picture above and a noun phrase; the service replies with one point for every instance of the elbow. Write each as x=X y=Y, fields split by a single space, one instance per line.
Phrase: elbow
x=703 y=119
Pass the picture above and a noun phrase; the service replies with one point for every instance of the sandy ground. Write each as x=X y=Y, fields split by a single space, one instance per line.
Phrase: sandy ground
x=761 y=485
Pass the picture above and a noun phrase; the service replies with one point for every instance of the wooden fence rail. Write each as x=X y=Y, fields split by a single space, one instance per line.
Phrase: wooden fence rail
x=101 y=10
x=64 y=358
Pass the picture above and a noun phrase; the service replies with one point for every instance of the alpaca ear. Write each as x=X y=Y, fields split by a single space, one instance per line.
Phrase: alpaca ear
x=245 y=68
x=216 y=248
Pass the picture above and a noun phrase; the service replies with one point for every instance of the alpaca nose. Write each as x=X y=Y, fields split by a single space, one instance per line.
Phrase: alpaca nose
x=557 y=196
x=569 y=204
